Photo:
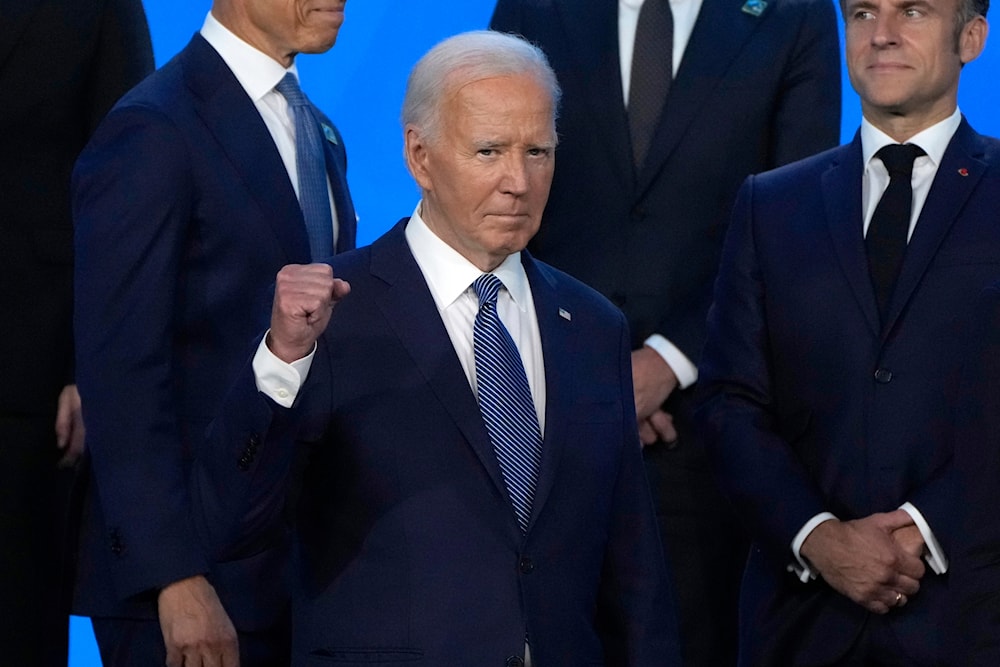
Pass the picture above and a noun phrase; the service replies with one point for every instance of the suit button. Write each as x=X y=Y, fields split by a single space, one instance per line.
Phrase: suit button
x=243 y=463
x=883 y=376
x=526 y=565
x=117 y=547
x=514 y=661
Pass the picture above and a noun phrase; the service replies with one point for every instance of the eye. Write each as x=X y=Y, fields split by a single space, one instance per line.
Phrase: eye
x=486 y=152
x=912 y=13
x=863 y=15
x=539 y=152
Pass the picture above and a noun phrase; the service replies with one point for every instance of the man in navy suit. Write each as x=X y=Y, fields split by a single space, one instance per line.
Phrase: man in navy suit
x=187 y=201
x=424 y=534
x=753 y=85
x=53 y=99
x=834 y=353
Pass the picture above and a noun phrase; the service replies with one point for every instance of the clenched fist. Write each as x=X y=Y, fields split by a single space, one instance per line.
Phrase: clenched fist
x=304 y=298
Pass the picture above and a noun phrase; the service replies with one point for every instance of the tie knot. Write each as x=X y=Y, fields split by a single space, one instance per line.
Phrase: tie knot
x=898 y=158
x=487 y=287
x=289 y=89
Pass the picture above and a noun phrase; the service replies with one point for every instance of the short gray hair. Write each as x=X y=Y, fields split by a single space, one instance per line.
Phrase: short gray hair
x=462 y=59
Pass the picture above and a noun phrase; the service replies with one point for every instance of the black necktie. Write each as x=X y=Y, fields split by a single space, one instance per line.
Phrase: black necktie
x=652 y=72
x=887 y=232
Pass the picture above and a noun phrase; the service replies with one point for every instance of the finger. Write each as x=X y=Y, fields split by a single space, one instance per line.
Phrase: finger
x=64 y=422
x=877 y=607
x=663 y=424
x=904 y=585
x=893 y=520
x=647 y=434
x=910 y=566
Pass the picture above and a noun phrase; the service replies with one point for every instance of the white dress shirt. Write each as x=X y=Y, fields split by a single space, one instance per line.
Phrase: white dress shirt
x=685 y=13
x=934 y=140
x=258 y=74
x=449 y=278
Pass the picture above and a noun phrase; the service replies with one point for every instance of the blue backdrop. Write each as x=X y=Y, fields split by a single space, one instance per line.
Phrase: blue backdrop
x=359 y=84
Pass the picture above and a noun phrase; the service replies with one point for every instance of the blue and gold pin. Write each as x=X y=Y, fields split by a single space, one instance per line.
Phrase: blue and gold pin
x=754 y=7
x=330 y=135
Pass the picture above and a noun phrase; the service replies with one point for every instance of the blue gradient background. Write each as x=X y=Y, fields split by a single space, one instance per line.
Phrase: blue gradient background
x=359 y=84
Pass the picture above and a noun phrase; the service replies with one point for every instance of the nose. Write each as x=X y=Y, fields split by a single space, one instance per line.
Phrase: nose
x=515 y=179
x=886 y=32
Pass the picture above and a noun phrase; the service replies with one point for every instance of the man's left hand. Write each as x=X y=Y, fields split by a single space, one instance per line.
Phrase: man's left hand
x=69 y=426
x=653 y=381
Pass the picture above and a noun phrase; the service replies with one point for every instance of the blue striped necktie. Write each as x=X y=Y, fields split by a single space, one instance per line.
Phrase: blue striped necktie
x=505 y=401
x=310 y=162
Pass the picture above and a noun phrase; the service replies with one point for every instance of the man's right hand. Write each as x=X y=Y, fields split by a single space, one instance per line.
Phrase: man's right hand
x=861 y=560
x=196 y=629
x=304 y=297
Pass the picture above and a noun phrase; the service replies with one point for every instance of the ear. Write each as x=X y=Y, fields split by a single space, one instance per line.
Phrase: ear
x=416 y=155
x=973 y=39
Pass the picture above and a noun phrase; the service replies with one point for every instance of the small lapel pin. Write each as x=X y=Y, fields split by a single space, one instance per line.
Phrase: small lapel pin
x=754 y=7
x=330 y=135
x=563 y=313
x=963 y=171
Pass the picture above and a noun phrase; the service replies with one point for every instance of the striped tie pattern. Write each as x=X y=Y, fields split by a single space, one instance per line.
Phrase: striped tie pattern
x=505 y=401
x=310 y=162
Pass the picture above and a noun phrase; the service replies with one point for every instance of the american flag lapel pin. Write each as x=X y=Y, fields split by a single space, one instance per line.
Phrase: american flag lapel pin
x=565 y=314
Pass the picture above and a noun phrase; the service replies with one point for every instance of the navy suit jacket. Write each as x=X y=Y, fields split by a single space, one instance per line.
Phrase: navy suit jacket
x=811 y=405
x=184 y=215
x=410 y=549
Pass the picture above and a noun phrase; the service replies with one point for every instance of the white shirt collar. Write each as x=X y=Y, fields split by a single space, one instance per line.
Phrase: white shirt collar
x=934 y=140
x=449 y=274
x=256 y=71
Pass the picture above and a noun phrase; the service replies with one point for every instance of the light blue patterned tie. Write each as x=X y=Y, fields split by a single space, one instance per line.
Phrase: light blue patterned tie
x=505 y=400
x=310 y=162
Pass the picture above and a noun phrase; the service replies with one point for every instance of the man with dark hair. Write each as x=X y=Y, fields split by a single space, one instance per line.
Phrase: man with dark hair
x=835 y=348
x=201 y=184
x=668 y=106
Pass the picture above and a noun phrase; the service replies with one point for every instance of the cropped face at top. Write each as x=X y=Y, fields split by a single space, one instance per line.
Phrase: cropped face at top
x=904 y=59
x=283 y=28
x=486 y=176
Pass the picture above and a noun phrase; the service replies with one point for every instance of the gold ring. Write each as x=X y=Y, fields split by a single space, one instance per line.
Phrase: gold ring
x=899 y=596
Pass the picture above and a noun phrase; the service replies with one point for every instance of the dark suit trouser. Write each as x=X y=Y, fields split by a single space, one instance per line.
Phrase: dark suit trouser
x=703 y=542
x=34 y=603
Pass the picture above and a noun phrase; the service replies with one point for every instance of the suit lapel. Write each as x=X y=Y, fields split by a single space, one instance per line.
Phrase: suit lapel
x=335 y=164
x=407 y=300
x=558 y=344
x=705 y=63
x=235 y=122
x=956 y=178
x=841 y=185
x=591 y=29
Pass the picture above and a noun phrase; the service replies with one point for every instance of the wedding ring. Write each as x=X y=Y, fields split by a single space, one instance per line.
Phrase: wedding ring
x=899 y=596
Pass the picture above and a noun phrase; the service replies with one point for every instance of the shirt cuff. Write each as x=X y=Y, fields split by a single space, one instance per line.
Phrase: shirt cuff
x=935 y=554
x=686 y=372
x=801 y=567
x=276 y=379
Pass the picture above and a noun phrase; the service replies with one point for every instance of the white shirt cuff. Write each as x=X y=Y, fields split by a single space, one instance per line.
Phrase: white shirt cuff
x=801 y=567
x=935 y=554
x=686 y=372
x=276 y=379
